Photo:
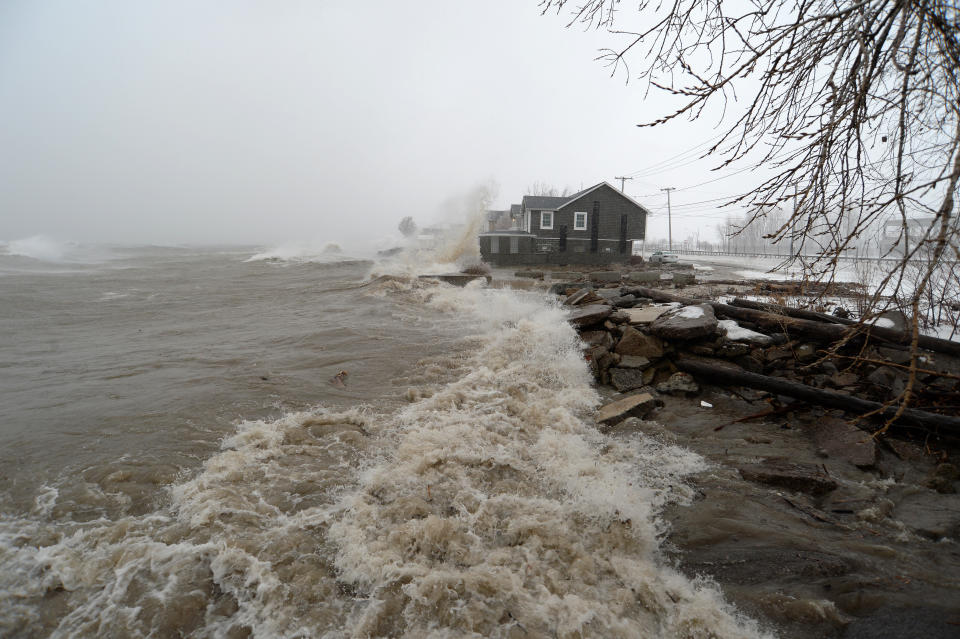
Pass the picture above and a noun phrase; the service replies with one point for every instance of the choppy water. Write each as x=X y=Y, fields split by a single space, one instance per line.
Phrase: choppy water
x=175 y=461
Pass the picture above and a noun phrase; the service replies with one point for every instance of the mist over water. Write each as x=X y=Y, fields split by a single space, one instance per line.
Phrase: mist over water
x=177 y=461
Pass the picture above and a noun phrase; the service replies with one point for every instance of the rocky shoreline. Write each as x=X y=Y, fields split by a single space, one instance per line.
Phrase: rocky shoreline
x=807 y=520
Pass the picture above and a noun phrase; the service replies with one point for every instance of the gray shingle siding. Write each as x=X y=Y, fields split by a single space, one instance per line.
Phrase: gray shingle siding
x=612 y=206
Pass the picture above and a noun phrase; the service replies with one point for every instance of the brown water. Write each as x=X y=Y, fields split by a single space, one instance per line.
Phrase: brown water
x=174 y=460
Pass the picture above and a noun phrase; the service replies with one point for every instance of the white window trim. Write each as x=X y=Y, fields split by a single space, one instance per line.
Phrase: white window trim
x=575 y=226
x=543 y=226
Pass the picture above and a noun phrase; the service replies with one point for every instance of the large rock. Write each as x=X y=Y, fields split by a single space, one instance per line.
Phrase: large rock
x=841 y=440
x=736 y=333
x=647 y=314
x=535 y=275
x=679 y=384
x=565 y=275
x=644 y=276
x=633 y=361
x=639 y=405
x=804 y=478
x=580 y=296
x=626 y=379
x=684 y=279
x=688 y=322
x=597 y=338
x=633 y=342
x=589 y=315
x=605 y=276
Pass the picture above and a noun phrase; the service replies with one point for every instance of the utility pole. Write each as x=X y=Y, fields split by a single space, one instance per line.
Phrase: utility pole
x=622 y=180
x=669 y=218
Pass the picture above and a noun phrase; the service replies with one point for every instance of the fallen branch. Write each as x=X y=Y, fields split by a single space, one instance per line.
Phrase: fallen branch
x=727 y=374
x=792 y=312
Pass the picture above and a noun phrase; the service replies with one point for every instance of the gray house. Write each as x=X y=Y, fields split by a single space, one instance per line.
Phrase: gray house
x=595 y=226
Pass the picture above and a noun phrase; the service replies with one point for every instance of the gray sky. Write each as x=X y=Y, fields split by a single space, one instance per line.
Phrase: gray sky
x=267 y=122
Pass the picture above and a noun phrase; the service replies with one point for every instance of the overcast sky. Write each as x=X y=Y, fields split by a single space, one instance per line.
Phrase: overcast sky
x=265 y=122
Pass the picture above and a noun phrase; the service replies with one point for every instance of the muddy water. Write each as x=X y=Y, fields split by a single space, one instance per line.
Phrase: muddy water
x=176 y=462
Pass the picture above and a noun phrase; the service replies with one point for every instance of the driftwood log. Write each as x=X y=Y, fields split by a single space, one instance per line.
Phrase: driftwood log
x=730 y=375
x=792 y=312
x=819 y=330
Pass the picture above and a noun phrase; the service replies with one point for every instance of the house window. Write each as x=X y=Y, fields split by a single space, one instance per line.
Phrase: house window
x=494 y=244
x=546 y=220
x=580 y=221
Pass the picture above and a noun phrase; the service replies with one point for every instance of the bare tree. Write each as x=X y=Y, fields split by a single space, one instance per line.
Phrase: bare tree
x=543 y=188
x=854 y=105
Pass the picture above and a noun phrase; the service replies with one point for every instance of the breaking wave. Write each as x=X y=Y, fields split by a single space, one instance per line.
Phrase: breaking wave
x=304 y=252
x=489 y=506
x=39 y=247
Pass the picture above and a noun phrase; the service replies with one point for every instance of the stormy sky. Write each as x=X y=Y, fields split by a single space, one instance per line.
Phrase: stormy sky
x=264 y=122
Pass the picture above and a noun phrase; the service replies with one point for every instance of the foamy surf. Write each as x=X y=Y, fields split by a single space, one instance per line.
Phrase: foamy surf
x=503 y=512
x=490 y=506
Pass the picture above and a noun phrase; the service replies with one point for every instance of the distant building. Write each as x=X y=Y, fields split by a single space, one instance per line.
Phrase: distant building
x=595 y=226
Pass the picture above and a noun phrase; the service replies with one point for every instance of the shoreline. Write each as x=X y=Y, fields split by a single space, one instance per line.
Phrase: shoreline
x=868 y=551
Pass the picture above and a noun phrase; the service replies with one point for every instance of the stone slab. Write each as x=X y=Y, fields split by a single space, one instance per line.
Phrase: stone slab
x=645 y=314
x=638 y=405
x=688 y=322
x=589 y=315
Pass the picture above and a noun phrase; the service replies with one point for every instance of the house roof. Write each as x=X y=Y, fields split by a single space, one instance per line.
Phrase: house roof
x=493 y=216
x=543 y=202
x=515 y=209
x=553 y=203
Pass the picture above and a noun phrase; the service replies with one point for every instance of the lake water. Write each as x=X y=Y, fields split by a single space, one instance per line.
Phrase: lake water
x=175 y=460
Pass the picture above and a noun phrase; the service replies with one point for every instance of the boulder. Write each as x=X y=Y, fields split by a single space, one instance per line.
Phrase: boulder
x=689 y=322
x=637 y=405
x=633 y=342
x=626 y=379
x=894 y=320
x=569 y=276
x=736 y=333
x=684 y=279
x=605 y=276
x=644 y=276
x=780 y=472
x=534 y=275
x=806 y=352
x=646 y=314
x=597 y=338
x=561 y=288
x=842 y=440
x=634 y=361
x=589 y=315
x=609 y=293
x=578 y=297
x=624 y=301
x=679 y=384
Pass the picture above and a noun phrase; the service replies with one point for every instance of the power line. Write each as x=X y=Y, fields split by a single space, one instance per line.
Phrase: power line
x=662 y=165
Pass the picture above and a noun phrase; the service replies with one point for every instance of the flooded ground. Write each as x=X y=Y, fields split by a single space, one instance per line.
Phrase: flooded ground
x=877 y=555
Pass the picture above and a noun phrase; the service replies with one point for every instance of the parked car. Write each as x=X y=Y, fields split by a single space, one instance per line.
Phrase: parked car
x=664 y=257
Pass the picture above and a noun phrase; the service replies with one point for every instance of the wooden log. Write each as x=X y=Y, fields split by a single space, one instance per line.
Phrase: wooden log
x=726 y=374
x=808 y=328
x=792 y=312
